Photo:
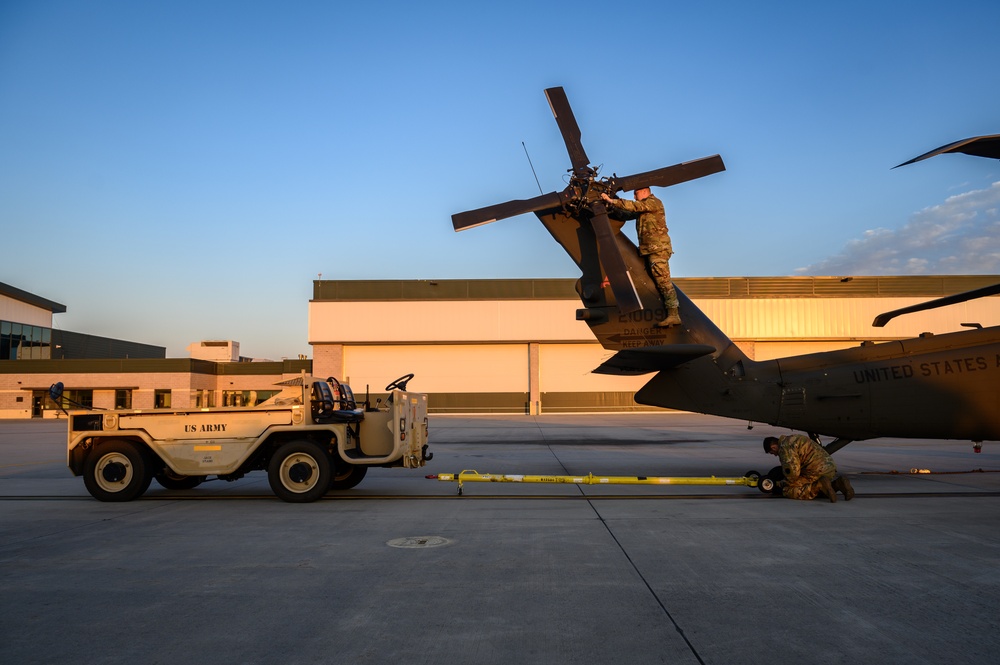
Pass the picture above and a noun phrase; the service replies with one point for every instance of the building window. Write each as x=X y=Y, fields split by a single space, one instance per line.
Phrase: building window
x=123 y=399
x=28 y=347
x=20 y=341
x=161 y=399
x=16 y=340
x=78 y=399
x=246 y=397
x=10 y=334
x=204 y=399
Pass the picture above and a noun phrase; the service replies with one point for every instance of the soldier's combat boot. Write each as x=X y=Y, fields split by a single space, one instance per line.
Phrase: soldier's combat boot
x=843 y=485
x=673 y=319
x=826 y=489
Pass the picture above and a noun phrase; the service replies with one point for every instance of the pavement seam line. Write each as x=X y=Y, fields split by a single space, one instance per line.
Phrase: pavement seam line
x=666 y=612
x=677 y=627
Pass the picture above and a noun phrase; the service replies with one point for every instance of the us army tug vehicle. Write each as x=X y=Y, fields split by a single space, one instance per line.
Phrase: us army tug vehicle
x=311 y=437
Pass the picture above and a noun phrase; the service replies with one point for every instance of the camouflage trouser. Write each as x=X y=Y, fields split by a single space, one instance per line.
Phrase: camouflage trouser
x=659 y=270
x=808 y=489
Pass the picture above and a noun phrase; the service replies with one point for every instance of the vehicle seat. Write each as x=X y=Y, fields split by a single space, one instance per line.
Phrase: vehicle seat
x=325 y=410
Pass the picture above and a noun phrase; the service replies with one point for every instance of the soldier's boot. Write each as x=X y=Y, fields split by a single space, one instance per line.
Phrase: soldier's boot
x=826 y=489
x=843 y=485
x=673 y=319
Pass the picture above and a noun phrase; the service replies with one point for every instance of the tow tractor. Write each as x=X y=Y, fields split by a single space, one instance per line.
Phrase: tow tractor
x=766 y=484
x=311 y=437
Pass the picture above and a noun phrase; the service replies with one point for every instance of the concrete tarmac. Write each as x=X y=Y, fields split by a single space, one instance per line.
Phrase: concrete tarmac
x=403 y=570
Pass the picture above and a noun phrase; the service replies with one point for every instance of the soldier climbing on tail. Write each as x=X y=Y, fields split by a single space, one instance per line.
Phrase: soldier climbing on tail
x=654 y=243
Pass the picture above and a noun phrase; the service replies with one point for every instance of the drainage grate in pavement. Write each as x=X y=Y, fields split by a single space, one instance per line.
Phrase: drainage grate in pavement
x=412 y=542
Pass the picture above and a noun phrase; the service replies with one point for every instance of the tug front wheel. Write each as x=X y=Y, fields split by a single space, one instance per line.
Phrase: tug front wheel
x=116 y=471
x=299 y=472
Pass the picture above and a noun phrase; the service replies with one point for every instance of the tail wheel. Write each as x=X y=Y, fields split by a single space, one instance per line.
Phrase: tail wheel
x=763 y=483
x=347 y=476
x=769 y=484
x=299 y=472
x=116 y=471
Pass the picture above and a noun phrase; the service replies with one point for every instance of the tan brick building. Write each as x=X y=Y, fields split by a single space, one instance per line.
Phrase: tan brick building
x=475 y=346
x=108 y=373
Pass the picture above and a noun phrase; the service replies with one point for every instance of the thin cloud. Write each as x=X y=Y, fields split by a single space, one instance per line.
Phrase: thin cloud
x=959 y=236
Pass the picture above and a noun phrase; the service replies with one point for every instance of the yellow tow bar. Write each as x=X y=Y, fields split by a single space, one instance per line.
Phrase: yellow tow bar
x=751 y=479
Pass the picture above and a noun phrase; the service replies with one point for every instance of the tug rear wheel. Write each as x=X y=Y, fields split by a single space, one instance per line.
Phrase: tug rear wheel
x=299 y=472
x=173 y=481
x=116 y=471
x=347 y=476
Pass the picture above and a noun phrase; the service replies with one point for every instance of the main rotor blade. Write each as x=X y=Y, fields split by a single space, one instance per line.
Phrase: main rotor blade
x=568 y=127
x=982 y=292
x=612 y=261
x=670 y=175
x=977 y=146
x=468 y=219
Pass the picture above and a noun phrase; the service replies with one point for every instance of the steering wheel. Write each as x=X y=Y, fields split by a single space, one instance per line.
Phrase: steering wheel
x=400 y=383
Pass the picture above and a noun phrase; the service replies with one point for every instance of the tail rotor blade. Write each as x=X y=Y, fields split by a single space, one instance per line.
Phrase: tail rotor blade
x=468 y=219
x=670 y=175
x=613 y=263
x=563 y=113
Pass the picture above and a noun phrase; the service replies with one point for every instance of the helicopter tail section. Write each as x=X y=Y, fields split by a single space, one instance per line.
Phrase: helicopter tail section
x=694 y=366
x=642 y=347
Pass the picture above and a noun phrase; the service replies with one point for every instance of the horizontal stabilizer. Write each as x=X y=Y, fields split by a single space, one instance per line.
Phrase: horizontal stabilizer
x=633 y=362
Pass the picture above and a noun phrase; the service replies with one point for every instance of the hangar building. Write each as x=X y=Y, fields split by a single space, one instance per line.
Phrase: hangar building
x=515 y=346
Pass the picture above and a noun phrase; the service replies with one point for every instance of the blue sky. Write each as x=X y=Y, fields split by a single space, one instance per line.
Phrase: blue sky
x=178 y=171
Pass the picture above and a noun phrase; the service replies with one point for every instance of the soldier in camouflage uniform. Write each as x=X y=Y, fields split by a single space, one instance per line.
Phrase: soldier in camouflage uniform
x=808 y=468
x=654 y=243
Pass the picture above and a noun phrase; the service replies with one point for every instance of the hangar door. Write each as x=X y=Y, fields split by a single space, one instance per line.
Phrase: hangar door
x=459 y=378
x=567 y=382
x=569 y=368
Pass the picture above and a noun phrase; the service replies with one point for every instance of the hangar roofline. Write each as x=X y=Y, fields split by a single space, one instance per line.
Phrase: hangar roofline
x=931 y=286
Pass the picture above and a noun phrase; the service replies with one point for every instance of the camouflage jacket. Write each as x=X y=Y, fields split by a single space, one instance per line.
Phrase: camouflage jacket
x=803 y=460
x=650 y=222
